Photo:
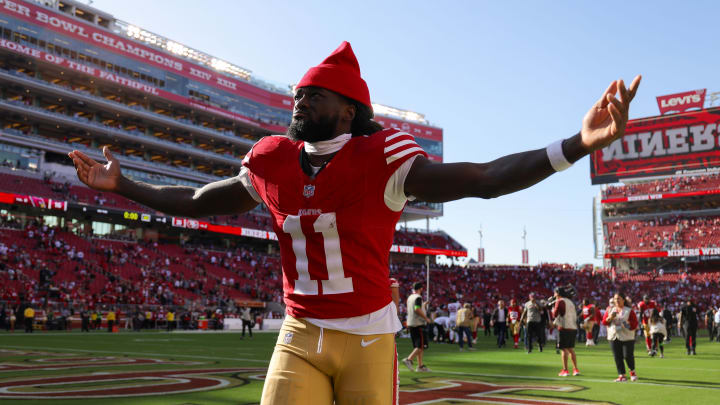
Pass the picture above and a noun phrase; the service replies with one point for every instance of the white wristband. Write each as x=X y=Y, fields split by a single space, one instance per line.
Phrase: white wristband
x=557 y=157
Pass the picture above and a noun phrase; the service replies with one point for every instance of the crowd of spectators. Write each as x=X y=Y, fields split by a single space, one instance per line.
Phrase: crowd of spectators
x=667 y=185
x=484 y=286
x=663 y=233
x=41 y=264
x=259 y=218
x=51 y=267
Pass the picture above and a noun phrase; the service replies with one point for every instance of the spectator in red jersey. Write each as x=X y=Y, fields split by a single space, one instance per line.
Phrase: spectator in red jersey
x=565 y=319
x=622 y=322
x=514 y=312
x=588 y=321
x=646 y=307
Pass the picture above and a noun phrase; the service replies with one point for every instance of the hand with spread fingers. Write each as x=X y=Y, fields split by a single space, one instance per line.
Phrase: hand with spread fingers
x=606 y=120
x=97 y=176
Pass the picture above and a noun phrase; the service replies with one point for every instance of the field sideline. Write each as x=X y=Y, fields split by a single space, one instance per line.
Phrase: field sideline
x=220 y=368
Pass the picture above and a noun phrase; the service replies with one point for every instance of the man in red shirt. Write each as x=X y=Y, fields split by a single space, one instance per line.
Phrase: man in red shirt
x=335 y=187
x=514 y=312
x=646 y=307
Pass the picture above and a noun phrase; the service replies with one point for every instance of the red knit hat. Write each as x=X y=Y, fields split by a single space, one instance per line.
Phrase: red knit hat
x=339 y=72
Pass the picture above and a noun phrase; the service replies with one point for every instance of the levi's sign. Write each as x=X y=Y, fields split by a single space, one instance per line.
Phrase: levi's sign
x=681 y=102
x=663 y=145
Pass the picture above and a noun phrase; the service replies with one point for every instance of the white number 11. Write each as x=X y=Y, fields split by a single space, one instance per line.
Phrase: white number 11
x=337 y=283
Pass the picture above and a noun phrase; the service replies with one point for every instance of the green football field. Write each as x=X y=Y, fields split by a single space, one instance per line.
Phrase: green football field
x=220 y=368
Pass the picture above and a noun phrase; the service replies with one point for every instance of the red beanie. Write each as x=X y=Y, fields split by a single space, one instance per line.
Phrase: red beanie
x=339 y=72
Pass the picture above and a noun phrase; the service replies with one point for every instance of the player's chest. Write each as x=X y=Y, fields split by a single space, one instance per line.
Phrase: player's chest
x=338 y=186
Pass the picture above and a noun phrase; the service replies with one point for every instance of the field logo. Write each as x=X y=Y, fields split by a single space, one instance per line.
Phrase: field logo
x=119 y=377
x=436 y=391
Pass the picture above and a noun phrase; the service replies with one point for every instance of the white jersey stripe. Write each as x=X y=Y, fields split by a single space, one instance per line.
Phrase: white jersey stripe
x=391 y=137
x=403 y=153
x=399 y=144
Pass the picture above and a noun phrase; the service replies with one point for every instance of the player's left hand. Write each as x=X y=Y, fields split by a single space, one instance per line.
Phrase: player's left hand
x=606 y=120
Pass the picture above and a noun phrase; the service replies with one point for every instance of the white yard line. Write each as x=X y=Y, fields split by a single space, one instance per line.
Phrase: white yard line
x=136 y=353
x=569 y=380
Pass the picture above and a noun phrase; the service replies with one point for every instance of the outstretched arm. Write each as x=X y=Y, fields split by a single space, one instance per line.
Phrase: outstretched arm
x=603 y=123
x=225 y=197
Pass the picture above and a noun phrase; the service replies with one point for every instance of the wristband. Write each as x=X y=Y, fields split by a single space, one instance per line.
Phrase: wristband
x=557 y=157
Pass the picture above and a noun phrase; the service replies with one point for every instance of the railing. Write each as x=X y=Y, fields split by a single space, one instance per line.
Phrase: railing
x=95 y=152
x=225 y=158
x=226 y=135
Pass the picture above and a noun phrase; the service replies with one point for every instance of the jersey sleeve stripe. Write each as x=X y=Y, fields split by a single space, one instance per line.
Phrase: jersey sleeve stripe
x=399 y=144
x=391 y=137
x=414 y=150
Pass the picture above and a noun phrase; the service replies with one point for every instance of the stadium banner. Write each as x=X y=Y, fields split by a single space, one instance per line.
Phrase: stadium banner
x=124 y=45
x=681 y=102
x=662 y=196
x=260 y=234
x=419 y=130
x=34 y=201
x=663 y=145
x=136 y=85
x=708 y=251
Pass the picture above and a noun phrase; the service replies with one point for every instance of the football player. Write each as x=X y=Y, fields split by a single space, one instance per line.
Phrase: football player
x=646 y=307
x=588 y=321
x=514 y=312
x=335 y=186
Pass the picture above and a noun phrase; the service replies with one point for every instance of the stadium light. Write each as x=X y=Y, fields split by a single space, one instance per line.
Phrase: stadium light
x=396 y=112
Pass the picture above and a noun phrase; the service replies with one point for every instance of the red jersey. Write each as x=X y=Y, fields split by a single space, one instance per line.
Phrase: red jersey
x=514 y=312
x=588 y=311
x=335 y=229
x=646 y=310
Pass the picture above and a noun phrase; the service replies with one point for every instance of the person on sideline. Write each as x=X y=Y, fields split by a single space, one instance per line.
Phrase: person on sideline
x=689 y=323
x=658 y=332
x=499 y=322
x=416 y=322
x=622 y=323
x=533 y=327
x=565 y=317
x=464 y=320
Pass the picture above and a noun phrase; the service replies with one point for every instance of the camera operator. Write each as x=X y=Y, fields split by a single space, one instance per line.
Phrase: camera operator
x=565 y=317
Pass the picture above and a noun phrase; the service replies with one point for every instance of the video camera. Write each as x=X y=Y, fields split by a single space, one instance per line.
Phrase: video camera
x=565 y=291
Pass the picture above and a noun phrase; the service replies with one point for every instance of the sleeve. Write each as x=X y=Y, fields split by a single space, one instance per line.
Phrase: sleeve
x=605 y=317
x=559 y=309
x=244 y=175
x=400 y=151
x=632 y=319
x=395 y=197
x=418 y=303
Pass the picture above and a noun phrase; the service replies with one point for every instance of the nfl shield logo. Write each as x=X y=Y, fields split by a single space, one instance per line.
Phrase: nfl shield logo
x=309 y=191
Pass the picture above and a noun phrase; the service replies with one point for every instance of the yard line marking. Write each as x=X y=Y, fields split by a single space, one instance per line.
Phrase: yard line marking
x=139 y=353
x=569 y=380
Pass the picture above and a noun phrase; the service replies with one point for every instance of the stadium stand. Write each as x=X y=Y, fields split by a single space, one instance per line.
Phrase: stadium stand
x=667 y=185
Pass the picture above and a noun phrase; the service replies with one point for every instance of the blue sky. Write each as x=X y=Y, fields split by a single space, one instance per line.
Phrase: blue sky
x=499 y=77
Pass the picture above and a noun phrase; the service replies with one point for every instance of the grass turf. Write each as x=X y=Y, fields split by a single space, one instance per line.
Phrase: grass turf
x=676 y=379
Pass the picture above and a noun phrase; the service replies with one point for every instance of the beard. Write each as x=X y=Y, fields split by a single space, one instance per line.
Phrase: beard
x=313 y=131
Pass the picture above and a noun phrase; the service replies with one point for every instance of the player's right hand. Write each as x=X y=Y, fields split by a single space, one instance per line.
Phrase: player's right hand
x=95 y=175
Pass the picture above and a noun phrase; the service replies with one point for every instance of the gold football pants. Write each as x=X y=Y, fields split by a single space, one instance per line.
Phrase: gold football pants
x=316 y=366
